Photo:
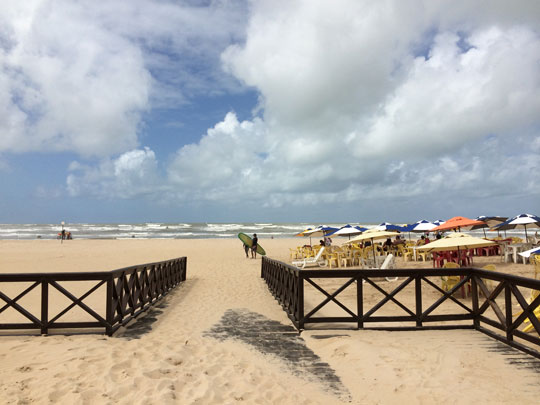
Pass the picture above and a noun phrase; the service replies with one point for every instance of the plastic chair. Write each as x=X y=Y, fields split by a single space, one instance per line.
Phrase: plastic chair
x=311 y=261
x=389 y=263
x=535 y=259
x=449 y=282
x=536 y=312
x=407 y=253
x=424 y=255
x=438 y=259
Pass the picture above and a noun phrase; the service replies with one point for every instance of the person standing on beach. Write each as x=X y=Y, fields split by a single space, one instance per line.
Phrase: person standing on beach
x=254 y=246
x=246 y=249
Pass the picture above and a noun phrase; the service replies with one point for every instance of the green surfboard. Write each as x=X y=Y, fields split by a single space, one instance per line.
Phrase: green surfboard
x=248 y=241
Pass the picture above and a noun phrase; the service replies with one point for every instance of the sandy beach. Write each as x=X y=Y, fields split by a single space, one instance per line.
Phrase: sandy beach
x=221 y=338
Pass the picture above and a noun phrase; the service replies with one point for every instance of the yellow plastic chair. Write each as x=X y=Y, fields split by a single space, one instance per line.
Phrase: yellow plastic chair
x=407 y=253
x=449 y=282
x=536 y=312
x=534 y=294
x=425 y=256
x=535 y=259
x=294 y=254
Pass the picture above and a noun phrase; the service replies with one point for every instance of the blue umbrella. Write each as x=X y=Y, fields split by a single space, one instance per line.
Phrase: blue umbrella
x=321 y=230
x=348 y=230
x=488 y=222
x=519 y=221
x=386 y=226
x=421 y=226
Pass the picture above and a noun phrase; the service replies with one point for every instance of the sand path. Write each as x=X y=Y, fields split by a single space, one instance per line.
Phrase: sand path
x=222 y=338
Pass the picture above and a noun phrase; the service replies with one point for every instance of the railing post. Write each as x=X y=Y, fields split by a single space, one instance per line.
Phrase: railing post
x=508 y=308
x=418 y=299
x=360 y=301
x=44 y=306
x=185 y=270
x=300 y=315
x=474 y=292
x=109 y=311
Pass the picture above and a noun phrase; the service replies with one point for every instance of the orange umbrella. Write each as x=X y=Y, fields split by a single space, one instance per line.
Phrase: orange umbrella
x=457 y=223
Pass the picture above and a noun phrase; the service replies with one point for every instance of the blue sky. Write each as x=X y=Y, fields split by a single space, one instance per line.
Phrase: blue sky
x=274 y=111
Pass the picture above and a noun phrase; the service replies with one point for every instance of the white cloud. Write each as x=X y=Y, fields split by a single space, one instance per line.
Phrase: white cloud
x=344 y=101
x=367 y=102
x=78 y=76
x=132 y=174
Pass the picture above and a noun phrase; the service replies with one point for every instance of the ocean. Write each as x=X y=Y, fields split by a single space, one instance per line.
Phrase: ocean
x=174 y=230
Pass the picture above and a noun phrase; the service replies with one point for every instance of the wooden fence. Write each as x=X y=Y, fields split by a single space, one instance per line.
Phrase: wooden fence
x=127 y=293
x=287 y=284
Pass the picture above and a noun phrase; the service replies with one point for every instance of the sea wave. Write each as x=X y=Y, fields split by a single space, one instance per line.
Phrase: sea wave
x=163 y=230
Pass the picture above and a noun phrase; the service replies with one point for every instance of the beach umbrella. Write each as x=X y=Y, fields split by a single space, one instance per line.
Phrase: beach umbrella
x=321 y=230
x=456 y=241
x=488 y=222
x=421 y=226
x=456 y=223
x=348 y=230
x=303 y=233
x=519 y=221
x=372 y=235
x=386 y=226
x=438 y=222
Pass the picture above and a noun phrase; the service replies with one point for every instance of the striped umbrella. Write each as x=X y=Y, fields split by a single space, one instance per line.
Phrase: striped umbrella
x=519 y=221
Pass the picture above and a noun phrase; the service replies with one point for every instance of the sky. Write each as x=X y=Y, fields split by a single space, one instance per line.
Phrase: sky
x=268 y=111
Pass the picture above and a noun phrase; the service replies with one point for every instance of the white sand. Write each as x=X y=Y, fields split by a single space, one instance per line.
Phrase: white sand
x=182 y=360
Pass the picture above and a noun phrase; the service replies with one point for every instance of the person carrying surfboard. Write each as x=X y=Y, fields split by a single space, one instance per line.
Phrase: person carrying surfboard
x=254 y=243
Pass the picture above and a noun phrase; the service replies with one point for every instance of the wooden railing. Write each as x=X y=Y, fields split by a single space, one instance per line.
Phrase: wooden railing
x=126 y=293
x=287 y=284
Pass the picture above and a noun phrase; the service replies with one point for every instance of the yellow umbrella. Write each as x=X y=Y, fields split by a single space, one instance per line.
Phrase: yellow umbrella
x=456 y=241
x=372 y=234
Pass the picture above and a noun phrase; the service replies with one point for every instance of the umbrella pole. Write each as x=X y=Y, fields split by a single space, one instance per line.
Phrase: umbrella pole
x=373 y=247
x=484 y=229
x=526 y=238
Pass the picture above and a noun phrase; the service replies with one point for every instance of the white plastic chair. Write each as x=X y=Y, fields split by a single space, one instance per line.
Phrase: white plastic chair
x=311 y=261
x=389 y=263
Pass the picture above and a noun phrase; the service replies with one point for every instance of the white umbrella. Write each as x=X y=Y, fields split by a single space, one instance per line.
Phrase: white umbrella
x=348 y=230
x=422 y=226
x=321 y=230
x=520 y=221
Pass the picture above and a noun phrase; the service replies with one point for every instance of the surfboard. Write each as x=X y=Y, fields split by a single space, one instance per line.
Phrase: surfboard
x=248 y=241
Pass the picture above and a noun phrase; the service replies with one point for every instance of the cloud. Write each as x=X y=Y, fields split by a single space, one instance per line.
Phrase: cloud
x=132 y=174
x=362 y=103
x=79 y=76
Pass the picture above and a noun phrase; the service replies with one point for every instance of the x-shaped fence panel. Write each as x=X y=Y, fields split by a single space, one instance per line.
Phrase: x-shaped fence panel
x=126 y=293
x=488 y=310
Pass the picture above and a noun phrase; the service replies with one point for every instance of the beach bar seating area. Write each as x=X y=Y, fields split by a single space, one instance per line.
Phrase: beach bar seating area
x=372 y=255
x=118 y=297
